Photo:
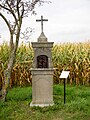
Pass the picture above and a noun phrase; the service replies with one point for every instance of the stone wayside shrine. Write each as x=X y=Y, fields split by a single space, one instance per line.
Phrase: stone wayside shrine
x=42 y=71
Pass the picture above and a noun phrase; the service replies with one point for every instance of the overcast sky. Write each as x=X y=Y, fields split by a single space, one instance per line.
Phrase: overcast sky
x=68 y=21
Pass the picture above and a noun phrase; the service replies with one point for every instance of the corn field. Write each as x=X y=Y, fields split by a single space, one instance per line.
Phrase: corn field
x=74 y=57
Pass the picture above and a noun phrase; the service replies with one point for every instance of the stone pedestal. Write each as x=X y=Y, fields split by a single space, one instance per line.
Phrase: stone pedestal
x=42 y=87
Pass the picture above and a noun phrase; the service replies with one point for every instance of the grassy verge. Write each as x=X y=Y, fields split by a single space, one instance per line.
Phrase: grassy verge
x=77 y=105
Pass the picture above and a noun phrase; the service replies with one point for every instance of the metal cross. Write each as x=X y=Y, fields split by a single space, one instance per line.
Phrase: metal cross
x=41 y=22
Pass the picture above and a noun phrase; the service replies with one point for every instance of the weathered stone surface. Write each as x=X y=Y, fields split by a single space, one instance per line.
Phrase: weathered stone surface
x=42 y=38
x=42 y=48
x=42 y=44
x=42 y=87
x=42 y=78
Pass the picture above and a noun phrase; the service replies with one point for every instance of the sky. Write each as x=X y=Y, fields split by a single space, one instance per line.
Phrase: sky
x=68 y=21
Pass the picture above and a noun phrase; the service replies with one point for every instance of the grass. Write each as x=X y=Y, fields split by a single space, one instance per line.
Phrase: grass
x=77 y=105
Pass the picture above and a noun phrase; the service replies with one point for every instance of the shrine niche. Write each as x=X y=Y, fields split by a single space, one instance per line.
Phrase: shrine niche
x=42 y=61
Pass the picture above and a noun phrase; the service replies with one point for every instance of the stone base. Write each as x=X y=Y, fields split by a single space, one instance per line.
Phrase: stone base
x=42 y=87
x=40 y=105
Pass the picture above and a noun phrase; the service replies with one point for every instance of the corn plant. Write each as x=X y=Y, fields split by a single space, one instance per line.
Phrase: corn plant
x=74 y=57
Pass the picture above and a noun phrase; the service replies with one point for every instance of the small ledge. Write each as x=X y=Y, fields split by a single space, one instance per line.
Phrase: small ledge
x=41 y=105
x=42 y=44
x=41 y=69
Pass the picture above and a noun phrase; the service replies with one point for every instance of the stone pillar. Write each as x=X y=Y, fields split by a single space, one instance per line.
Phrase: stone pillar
x=42 y=73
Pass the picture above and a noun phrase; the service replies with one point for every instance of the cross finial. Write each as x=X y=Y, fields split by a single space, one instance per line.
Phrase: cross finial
x=41 y=22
